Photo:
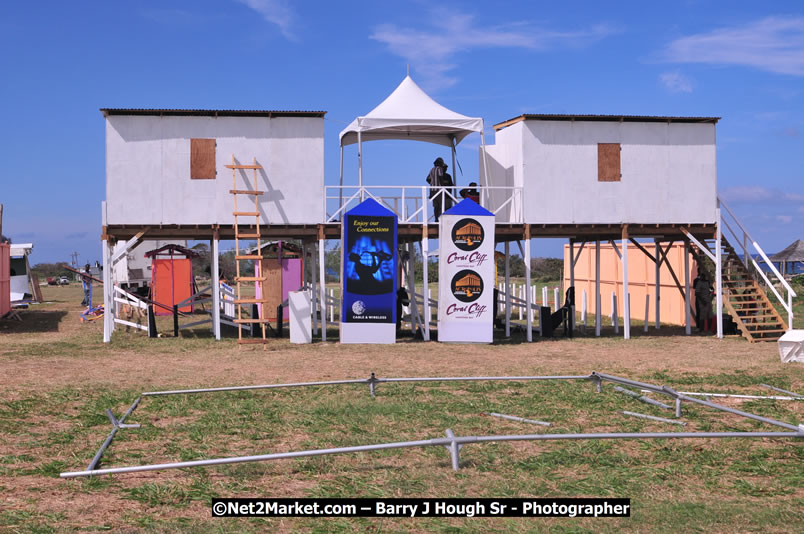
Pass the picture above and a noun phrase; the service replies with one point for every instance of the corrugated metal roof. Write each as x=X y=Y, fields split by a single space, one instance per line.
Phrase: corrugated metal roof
x=210 y=112
x=604 y=118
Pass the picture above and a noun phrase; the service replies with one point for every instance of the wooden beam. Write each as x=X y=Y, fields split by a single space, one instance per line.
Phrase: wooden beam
x=640 y=247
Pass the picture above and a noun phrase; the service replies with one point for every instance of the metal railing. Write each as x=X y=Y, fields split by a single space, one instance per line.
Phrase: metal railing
x=414 y=204
x=743 y=241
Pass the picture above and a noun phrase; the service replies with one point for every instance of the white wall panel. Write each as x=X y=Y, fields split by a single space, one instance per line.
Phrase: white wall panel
x=668 y=172
x=148 y=169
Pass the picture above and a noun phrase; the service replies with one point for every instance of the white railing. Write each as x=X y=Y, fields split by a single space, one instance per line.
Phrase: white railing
x=414 y=204
x=743 y=241
x=133 y=303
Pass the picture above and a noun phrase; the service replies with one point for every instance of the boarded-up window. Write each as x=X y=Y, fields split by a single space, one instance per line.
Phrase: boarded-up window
x=202 y=159
x=608 y=162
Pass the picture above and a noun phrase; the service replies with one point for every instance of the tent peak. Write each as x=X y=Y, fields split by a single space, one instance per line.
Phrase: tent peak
x=410 y=113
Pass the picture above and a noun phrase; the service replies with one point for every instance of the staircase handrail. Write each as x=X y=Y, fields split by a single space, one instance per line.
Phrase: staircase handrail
x=788 y=306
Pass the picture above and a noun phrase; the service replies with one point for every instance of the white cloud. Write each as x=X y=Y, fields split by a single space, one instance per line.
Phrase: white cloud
x=747 y=193
x=784 y=219
x=676 y=82
x=276 y=12
x=774 y=44
x=431 y=50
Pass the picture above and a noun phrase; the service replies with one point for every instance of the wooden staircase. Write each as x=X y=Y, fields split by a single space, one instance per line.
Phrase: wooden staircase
x=743 y=298
x=253 y=233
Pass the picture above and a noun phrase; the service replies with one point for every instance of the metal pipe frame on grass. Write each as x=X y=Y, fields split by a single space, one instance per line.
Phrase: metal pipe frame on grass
x=452 y=442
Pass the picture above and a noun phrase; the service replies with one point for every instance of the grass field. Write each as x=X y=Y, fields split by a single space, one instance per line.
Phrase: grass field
x=58 y=378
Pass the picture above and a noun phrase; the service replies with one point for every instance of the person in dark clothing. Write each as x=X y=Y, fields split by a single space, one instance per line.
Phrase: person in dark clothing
x=86 y=283
x=704 y=293
x=440 y=181
x=695 y=282
x=402 y=299
x=471 y=192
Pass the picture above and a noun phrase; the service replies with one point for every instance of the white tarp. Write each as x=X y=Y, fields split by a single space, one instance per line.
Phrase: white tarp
x=410 y=113
x=791 y=346
x=466 y=275
x=20 y=277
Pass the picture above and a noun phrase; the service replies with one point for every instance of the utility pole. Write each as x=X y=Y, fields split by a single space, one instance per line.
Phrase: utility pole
x=74 y=255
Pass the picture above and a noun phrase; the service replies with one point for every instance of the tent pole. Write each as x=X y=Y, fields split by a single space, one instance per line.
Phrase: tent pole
x=360 y=164
x=340 y=189
x=485 y=163
x=454 y=170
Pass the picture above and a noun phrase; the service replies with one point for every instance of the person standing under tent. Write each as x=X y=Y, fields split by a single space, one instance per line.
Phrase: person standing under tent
x=441 y=181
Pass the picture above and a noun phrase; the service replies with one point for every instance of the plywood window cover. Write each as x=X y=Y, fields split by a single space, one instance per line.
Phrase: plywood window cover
x=608 y=162
x=202 y=159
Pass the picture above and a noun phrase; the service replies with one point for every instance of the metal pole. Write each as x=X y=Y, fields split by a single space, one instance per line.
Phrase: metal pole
x=313 y=303
x=598 y=311
x=454 y=170
x=626 y=299
x=453 y=448
x=453 y=442
x=340 y=189
x=572 y=284
x=780 y=390
x=485 y=165
x=672 y=393
x=719 y=274
x=216 y=288
x=360 y=164
x=425 y=266
x=657 y=248
x=521 y=419
x=528 y=291
x=507 y=289
x=642 y=398
x=687 y=327
x=93 y=464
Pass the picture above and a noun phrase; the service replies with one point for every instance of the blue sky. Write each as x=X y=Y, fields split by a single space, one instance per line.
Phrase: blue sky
x=61 y=61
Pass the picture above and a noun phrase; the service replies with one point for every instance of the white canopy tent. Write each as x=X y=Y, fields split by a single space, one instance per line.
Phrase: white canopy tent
x=409 y=113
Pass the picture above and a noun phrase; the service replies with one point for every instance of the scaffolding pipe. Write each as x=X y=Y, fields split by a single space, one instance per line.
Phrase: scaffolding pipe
x=520 y=419
x=111 y=435
x=372 y=381
x=780 y=390
x=451 y=442
x=642 y=398
x=675 y=394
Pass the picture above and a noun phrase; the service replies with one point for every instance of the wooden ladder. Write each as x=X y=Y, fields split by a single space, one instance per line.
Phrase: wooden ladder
x=745 y=300
x=255 y=234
